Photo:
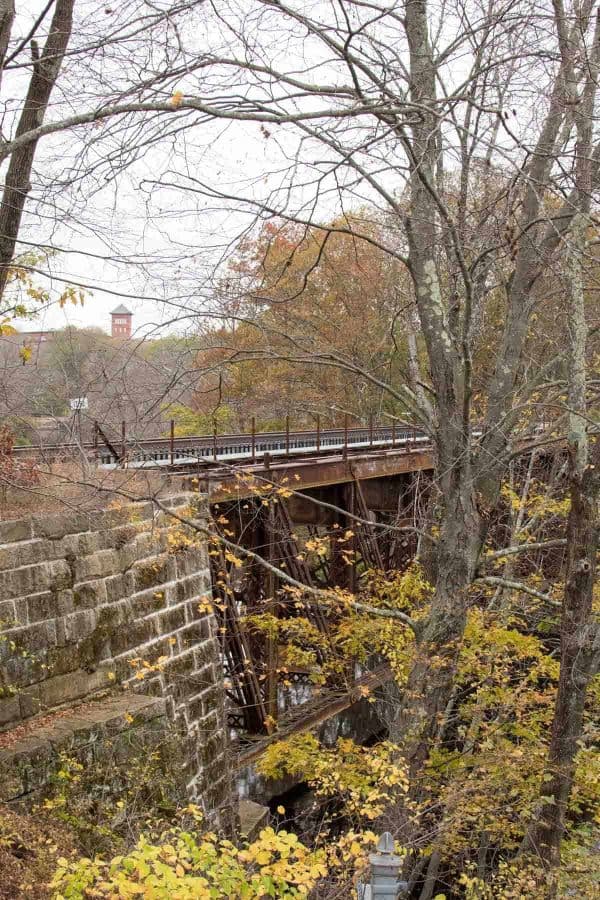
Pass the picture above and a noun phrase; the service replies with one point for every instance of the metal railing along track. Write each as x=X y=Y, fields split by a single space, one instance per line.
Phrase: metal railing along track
x=173 y=451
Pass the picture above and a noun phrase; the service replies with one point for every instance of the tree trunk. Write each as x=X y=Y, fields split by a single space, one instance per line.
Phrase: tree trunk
x=452 y=562
x=431 y=678
x=578 y=632
x=578 y=628
x=17 y=185
x=7 y=14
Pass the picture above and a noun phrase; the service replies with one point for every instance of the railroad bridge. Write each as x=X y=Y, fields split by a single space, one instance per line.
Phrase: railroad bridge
x=274 y=492
x=354 y=494
x=357 y=503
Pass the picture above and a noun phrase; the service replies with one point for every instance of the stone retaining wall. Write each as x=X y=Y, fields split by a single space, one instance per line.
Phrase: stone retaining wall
x=97 y=731
x=103 y=601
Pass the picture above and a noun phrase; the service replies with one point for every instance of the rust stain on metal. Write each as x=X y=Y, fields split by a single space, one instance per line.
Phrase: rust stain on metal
x=312 y=715
x=315 y=472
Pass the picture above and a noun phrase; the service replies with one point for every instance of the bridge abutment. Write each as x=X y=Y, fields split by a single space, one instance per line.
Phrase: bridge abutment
x=105 y=637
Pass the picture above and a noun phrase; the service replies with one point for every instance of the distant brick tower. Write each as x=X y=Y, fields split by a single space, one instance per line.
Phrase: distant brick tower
x=121 y=322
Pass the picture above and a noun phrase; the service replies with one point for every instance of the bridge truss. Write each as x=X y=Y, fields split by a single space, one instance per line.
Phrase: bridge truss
x=352 y=540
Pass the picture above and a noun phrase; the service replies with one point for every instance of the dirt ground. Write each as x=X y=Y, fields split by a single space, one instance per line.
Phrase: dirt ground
x=65 y=486
x=29 y=849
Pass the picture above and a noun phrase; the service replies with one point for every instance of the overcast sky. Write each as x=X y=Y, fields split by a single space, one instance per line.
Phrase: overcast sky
x=134 y=242
x=144 y=236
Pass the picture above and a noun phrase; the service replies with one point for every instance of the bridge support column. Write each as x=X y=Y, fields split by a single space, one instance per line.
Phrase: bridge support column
x=272 y=685
x=341 y=572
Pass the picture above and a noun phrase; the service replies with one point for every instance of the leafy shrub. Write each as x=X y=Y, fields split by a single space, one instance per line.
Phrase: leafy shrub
x=181 y=865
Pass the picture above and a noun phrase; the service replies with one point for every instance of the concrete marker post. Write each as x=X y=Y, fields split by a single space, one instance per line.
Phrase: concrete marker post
x=385 y=869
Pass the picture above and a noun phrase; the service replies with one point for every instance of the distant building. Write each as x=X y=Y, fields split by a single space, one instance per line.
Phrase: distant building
x=35 y=338
x=32 y=343
x=121 y=322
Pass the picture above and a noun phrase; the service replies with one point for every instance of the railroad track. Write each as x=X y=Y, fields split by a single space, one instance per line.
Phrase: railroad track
x=177 y=451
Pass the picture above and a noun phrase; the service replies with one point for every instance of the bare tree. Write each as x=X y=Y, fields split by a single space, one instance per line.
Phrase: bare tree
x=457 y=123
x=78 y=111
x=463 y=126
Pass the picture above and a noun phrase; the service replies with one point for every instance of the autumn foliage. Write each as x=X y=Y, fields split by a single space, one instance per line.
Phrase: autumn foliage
x=295 y=302
x=14 y=472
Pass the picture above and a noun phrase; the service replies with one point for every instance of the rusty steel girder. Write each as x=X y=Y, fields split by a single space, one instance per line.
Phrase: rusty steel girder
x=226 y=484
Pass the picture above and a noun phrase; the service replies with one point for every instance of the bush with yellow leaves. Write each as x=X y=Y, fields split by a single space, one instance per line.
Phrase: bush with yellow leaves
x=363 y=779
x=181 y=865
